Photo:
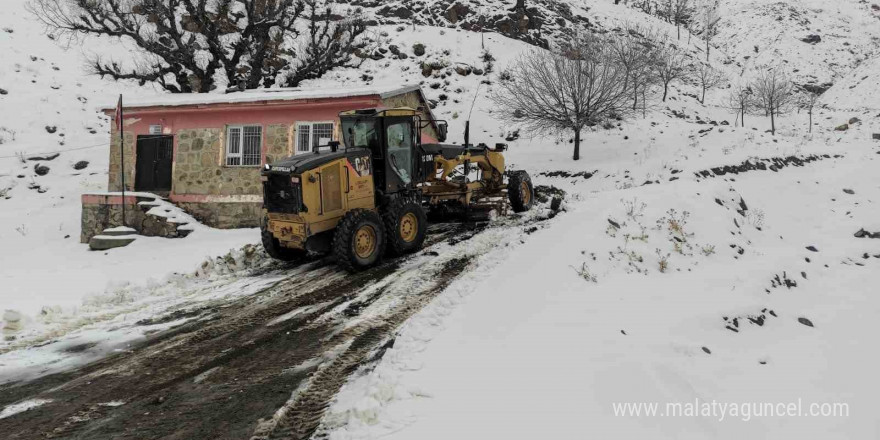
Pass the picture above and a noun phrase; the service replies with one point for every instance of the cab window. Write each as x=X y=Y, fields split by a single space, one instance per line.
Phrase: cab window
x=360 y=133
x=400 y=148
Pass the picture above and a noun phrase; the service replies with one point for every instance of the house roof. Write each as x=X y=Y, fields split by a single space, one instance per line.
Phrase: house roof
x=272 y=96
x=267 y=95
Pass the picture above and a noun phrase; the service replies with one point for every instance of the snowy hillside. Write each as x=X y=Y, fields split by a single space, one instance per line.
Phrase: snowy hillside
x=820 y=42
x=857 y=90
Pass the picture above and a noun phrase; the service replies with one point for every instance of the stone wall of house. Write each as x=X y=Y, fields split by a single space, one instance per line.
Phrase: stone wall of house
x=100 y=212
x=114 y=176
x=279 y=142
x=225 y=215
x=200 y=169
x=411 y=100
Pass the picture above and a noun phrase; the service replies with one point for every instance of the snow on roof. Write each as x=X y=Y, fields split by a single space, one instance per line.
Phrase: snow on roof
x=284 y=94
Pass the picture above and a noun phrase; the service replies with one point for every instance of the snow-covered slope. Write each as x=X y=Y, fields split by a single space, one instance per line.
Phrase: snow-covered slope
x=817 y=41
x=587 y=315
x=49 y=105
x=860 y=89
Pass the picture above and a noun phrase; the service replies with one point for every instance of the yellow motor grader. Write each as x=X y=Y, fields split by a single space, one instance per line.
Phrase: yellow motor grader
x=370 y=193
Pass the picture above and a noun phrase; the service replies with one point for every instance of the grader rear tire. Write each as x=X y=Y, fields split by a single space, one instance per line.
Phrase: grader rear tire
x=359 y=240
x=406 y=225
x=273 y=246
x=520 y=191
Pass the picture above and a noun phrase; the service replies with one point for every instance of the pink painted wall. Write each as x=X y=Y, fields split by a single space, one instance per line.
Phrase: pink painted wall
x=174 y=119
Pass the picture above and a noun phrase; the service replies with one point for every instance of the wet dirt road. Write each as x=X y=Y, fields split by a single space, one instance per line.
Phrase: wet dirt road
x=263 y=366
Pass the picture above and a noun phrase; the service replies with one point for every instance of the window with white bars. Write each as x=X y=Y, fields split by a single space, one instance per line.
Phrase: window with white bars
x=244 y=145
x=312 y=134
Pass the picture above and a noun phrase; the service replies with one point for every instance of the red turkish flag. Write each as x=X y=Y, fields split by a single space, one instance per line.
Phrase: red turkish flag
x=118 y=116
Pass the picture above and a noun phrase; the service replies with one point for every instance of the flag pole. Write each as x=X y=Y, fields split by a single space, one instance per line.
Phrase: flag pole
x=122 y=154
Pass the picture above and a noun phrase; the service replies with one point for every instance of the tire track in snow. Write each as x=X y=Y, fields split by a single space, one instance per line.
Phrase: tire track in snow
x=226 y=368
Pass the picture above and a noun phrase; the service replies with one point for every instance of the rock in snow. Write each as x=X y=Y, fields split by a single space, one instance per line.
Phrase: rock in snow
x=41 y=169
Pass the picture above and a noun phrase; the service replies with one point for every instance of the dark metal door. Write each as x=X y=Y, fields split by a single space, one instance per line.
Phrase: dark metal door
x=153 y=163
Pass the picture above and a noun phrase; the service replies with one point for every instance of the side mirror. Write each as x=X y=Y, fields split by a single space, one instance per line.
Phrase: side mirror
x=334 y=146
x=441 y=131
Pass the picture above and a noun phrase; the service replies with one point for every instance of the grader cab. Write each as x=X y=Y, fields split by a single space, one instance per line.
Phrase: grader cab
x=371 y=192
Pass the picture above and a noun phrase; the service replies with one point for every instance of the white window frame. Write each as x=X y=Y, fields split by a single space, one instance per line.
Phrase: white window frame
x=240 y=153
x=311 y=125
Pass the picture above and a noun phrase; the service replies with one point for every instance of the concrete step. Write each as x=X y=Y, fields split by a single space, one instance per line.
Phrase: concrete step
x=119 y=231
x=104 y=242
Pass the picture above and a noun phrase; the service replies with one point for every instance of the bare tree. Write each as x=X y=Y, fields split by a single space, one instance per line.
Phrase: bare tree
x=711 y=16
x=671 y=65
x=808 y=101
x=680 y=13
x=774 y=93
x=636 y=52
x=328 y=44
x=739 y=98
x=708 y=78
x=546 y=91
x=184 y=44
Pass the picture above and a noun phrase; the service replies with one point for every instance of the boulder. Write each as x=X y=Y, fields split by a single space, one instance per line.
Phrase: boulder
x=41 y=169
x=418 y=49
x=81 y=165
x=842 y=127
x=812 y=39
x=854 y=121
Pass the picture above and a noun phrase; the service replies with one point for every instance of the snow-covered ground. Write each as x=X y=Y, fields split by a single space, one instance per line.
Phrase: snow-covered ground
x=583 y=316
x=50 y=104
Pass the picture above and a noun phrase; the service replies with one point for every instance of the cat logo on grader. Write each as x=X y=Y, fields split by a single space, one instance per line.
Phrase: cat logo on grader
x=370 y=195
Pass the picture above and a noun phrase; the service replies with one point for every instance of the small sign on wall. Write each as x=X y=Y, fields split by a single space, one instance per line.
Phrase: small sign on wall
x=155 y=129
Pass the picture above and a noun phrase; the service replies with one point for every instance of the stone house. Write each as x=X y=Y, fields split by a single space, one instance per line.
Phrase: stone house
x=204 y=152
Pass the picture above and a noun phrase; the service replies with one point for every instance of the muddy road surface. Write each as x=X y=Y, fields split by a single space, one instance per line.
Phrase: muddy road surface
x=261 y=366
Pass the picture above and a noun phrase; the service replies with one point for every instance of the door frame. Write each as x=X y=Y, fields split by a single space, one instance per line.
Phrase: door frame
x=157 y=138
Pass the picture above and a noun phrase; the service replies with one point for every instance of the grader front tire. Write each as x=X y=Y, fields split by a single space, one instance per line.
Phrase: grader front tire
x=520 y=191
x=406 y=225
x=359 y=240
